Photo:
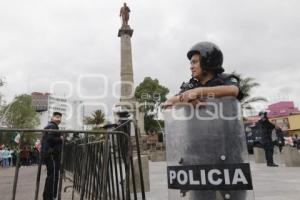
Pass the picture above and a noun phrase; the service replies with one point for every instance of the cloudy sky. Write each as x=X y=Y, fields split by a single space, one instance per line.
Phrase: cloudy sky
x=48 y=44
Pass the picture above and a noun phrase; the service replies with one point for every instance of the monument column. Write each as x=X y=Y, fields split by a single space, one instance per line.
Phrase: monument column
x=127 y=99
x=127 y=87
x=128 y=102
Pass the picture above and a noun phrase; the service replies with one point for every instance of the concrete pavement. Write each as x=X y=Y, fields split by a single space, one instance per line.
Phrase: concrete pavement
x=282 y=183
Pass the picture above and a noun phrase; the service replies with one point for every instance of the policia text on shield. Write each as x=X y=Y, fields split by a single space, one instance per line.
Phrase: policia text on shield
x=207 y=159
x=210 y=177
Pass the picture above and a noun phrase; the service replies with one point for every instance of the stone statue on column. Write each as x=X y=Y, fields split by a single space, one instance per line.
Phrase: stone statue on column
x=124 y=14
x=127 y=99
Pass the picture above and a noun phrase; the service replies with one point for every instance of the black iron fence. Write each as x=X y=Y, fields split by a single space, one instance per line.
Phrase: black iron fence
x=98 y=164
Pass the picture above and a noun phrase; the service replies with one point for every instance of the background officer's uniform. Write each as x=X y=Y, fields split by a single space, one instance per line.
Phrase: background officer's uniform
x=266 y=128
x=51 y=148
x=280 y=138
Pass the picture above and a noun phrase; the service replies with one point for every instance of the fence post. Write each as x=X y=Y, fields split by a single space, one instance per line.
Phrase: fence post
x=17 y=169
x=38 y=177
x=83 y=179
x=74 y=167
x=61 y=171
x=139 y=161
x=104 y=168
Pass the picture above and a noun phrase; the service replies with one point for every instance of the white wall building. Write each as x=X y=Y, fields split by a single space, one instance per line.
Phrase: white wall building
x=45 y=104
x=77 y=112
x=72 y=110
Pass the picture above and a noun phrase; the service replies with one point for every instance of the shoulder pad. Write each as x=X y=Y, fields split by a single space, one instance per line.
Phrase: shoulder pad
x=183 y=85
x=224 y=75
x=233 y=78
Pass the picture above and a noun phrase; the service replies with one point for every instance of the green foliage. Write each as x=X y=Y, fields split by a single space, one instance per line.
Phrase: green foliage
x=3 y=136
x=151 y=123
x=1 y=97
x=247 y=85
x=20 y=114
x=151 y=94
x=95 y=119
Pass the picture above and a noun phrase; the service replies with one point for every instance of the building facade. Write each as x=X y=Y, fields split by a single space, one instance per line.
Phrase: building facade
x=282 y=108
x=45 y=104
x=289 y=124
x=284 y=115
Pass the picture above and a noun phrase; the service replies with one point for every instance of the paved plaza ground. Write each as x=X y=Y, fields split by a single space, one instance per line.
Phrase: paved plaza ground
x=282 y=183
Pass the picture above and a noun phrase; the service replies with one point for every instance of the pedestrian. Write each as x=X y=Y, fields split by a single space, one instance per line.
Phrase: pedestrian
x=1 y=150
x=14 y=157
x=51 y=150
x=5 y=158
x=266 y=128
x=296 y=141
x=35 y=155
x=9 y=157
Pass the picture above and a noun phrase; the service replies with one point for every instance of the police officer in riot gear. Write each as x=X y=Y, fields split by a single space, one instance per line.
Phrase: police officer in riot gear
x=209 y=81
x=207 y=76
x=266 y=128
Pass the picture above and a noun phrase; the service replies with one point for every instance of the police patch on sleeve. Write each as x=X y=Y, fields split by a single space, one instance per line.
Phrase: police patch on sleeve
x=233 y=80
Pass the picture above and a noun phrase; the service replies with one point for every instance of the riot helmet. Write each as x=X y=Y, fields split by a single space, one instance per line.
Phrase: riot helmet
x=263 y=114
x=211 y=57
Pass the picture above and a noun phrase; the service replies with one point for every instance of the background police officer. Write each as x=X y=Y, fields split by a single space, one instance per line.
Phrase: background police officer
x=51 y=149
x=280 y=138
x=207 y=76
x=267 y=127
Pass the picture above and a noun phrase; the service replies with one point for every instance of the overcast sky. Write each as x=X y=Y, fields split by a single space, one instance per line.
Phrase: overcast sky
x=42 y=42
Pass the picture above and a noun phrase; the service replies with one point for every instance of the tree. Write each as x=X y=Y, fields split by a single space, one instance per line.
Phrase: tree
x=97 y=118
x=1 y=84
x=247 y=84
x=2 y=135
x=20 y=114
x=150 y=94
x=2 y=102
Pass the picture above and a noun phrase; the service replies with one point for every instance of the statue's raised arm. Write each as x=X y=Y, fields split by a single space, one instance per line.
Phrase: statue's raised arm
x=124 y=13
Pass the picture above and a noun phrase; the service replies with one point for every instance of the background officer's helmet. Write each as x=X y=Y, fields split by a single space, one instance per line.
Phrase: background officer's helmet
x=211 y=56
x=263 y=114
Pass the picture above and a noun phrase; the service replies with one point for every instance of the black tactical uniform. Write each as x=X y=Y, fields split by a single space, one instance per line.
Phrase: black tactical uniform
x=266 y=128
x=280 y=138
x=51 y=148
x=219 y=79
x=211 y=59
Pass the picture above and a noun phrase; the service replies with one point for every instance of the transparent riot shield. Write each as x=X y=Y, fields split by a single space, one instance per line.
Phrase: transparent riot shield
x=206 y=152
